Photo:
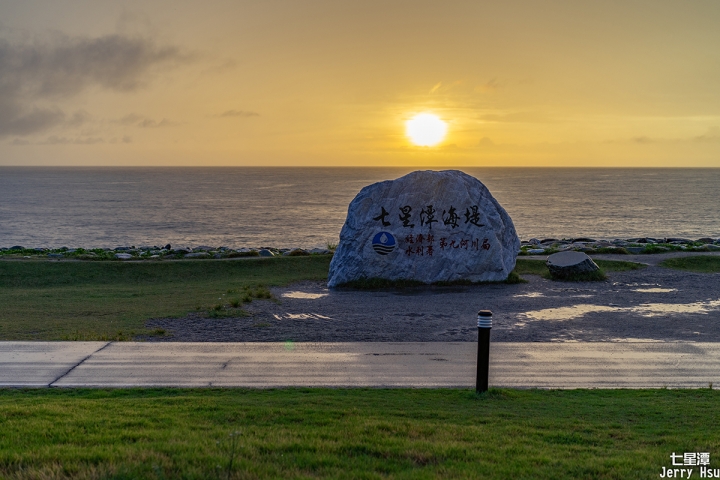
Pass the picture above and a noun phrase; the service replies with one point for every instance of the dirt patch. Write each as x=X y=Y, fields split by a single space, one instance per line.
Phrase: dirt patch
x=652 y=304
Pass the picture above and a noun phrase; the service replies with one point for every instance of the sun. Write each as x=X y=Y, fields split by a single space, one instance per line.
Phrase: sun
x=425 y=129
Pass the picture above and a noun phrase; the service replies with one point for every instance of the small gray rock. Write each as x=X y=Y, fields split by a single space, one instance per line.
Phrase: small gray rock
x=266 y=253
x=678 y=240
x=197 y=255
x=536 y=251
x=568 y=264
x=296 y=252
x=123 y=256
x=55 y=255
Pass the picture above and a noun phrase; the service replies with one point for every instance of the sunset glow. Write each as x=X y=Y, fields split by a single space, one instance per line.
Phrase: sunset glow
x=178 y=83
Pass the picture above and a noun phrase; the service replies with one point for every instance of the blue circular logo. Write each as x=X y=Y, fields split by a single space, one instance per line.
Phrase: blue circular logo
x=383 y=243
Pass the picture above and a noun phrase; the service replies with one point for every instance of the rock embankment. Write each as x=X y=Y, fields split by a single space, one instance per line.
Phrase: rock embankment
x=641 y=245
x=534 y=246
x=155 y=252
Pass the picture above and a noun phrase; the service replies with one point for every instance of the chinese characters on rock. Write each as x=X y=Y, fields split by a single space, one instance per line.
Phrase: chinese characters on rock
x=428 y=216
x=425 y=244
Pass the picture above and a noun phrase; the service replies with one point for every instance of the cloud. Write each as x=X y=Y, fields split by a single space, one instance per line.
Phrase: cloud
x=238 y=113
x=124 y=139
x=643 y=139
x=78 y=118
x=55 y=140
x=712 y=135
x=442 y=88
x=16 y=119
x=150 y=123
x=487 y=87
x=60 y=140
x=134 y=119
x=229 y=65
x=485 y=142
x=31 y=74
x=131 y=119
x=516 y=117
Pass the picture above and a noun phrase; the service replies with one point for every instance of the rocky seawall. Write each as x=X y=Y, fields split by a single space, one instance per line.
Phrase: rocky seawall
x=155 y=252
x=640 y=245
x=533 y=246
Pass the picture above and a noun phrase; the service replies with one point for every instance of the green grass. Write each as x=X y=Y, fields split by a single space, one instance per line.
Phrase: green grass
x=48 y=300
x=356 y=433
x=537 y=267
x=618 y=265
x=525 y=266
x=699 y=264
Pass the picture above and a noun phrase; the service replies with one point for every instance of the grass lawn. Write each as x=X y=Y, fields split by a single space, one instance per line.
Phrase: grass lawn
x=355 y=433
x=699 y=264
x=48 y=300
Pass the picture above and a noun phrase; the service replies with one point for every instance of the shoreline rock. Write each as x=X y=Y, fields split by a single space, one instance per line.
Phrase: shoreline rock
x=568 y=264
x=532 y=246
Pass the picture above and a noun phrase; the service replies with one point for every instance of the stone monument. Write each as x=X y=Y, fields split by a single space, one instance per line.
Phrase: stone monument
x=426 y=226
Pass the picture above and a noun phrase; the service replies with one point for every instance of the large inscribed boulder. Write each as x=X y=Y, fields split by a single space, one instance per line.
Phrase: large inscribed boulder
x=426 y=226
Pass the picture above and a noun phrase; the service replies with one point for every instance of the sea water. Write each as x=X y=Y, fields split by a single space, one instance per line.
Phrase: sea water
x=306 y=207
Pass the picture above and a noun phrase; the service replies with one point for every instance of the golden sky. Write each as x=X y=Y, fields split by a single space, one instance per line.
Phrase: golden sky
x=331 y=83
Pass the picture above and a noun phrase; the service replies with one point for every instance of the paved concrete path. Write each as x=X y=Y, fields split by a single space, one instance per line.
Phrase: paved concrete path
x=438 y=364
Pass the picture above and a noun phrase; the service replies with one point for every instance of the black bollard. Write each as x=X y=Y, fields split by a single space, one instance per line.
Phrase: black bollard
x=483 y=356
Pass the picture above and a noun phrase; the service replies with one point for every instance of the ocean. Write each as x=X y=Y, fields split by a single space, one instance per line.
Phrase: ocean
x=306 y=207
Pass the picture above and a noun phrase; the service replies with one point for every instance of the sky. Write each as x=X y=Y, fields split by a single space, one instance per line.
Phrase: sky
x=332 y=83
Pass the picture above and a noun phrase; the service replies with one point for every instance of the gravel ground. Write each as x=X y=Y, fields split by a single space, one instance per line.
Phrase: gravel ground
x=652 y=304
